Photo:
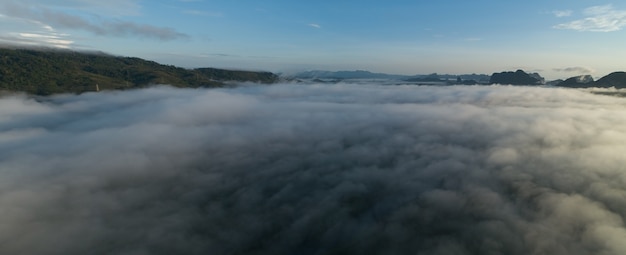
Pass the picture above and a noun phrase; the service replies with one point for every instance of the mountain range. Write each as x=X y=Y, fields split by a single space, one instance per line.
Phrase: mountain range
x=45 y=72
x=361 y=74
x=519 y=77
x=615 y=79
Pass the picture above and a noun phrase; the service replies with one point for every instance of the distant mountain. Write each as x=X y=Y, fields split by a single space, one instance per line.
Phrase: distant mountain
x=45 y=72
x=358 y=74
x=554 y=82
x=538 y=77
x=616 y=79
x=478 y=78
x=518 y=77
x=426 y=78
x=580 y=81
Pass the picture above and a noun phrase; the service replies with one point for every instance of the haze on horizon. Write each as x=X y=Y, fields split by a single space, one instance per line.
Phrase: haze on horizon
x=558 y=39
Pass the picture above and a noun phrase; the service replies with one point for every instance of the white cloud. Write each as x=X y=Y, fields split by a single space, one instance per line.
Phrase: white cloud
x=55 y=40
x=598 y=10
x=562 y=13
x=603 y=18
x=33 y=33
x=313 y=25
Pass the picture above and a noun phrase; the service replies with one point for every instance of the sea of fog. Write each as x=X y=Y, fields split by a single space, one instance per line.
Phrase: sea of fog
x=314 y=169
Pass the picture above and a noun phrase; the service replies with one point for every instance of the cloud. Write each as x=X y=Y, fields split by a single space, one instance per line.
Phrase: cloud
x=98 y=26
x=574 y=69
x=53 y=40
x=313 y=25
x=38 y=34
x=562 y=13
x=603 y=18
x=222 y=55
x=125 y=28
x=311 y=169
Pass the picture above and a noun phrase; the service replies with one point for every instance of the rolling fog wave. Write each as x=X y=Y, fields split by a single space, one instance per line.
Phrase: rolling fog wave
x=316 y=169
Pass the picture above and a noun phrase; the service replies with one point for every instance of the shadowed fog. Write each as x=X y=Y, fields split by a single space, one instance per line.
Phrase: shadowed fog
x=319 y=169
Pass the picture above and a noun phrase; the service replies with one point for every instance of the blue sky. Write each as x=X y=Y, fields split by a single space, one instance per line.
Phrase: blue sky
x=557 y=38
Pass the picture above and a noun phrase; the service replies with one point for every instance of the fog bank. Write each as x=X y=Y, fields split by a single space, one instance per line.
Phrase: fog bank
x=314 y=169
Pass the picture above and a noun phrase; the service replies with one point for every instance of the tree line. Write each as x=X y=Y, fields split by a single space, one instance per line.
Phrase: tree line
x=45 y=72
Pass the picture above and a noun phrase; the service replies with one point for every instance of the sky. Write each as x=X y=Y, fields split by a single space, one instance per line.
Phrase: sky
x=557 y=38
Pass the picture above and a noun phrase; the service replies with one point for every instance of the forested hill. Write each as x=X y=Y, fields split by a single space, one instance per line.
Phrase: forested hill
x=45 y=72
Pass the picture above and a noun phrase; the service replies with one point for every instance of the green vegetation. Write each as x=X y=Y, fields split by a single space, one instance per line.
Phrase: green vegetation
x=46 y=72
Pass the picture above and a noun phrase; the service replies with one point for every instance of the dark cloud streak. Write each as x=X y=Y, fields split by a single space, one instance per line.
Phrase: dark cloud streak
x=97 y=25
x=576 y=69
x=292 y=169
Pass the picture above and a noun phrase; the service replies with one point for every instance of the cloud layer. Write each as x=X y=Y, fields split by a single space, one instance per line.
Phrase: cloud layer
x=316 y=169
x=602 y=18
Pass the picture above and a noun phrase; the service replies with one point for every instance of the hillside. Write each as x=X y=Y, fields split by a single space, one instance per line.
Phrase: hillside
x=45 y=72
x=615 y=79
x=581 y=81
x=518 y=77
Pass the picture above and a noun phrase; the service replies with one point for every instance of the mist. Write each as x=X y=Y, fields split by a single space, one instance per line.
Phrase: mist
x=314 y=169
